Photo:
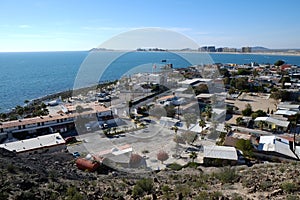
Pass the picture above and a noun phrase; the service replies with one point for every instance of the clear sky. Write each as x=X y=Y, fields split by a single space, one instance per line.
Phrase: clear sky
x=56 y=25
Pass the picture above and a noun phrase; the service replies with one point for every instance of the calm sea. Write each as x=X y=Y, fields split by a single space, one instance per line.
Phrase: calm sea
x=26 y=76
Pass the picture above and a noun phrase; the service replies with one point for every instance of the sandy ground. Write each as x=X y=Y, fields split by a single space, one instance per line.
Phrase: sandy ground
x=257 y=101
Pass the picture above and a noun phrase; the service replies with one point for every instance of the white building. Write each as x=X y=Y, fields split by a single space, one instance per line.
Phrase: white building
x=277 y=144
x=46 y=143
x=222 y=154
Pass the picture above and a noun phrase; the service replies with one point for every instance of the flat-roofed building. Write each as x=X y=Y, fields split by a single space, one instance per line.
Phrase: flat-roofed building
x=60 y=122
x=46 y=143
x=220 y=155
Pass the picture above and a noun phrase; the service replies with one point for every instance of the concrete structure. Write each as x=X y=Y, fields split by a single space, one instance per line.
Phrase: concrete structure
x=46 y=143
x=220 y=155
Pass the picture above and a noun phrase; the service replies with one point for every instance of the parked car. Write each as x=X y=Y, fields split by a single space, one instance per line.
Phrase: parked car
x=76 y=154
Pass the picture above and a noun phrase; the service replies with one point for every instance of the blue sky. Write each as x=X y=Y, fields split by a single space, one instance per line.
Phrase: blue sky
x=56 y=25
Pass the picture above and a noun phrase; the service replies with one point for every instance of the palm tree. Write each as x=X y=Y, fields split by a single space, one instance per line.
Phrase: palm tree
x=202 y=124
x=261 y=124
x=175 y=128
x=227 y=127
x=193 y=155
x=208 y=111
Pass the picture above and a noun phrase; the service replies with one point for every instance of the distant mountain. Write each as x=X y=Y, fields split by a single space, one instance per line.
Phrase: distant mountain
x=258 y=48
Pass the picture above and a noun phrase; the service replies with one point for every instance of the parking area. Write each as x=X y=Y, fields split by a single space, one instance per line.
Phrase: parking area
x=151 y=139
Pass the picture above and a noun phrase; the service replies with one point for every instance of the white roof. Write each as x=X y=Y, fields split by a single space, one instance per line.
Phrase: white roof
x=268 y=139
x=218 y=111
x=204 y=95
x=287 y=105
x=274 y=121
x=34 y=143
x=221 y=152
x=285 y=112
x=276 y=144
x=189 y=81
x=180 y=89
x=169 y=119
x=194 y=80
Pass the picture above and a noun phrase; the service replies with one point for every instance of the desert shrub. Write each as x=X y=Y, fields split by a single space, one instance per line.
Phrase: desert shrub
x=73 y=194
x=192 y=165
x=264 y=185
x=143 y=186
x=289 y=187
x=175 y=166
x=216 y=195
x=292 y=197
x=236 y=196
x=185 y=190
x=226 y=175
x=3 y=195
x=165 y=189
x=11 y=168
x=203 y=195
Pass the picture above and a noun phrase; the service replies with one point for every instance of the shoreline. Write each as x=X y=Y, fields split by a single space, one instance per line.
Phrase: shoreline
x=64 y=94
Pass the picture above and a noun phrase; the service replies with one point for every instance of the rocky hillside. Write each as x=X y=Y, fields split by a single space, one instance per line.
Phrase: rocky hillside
x=54 y=176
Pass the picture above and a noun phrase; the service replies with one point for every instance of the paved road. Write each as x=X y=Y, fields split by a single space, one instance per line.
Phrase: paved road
x=153 y=139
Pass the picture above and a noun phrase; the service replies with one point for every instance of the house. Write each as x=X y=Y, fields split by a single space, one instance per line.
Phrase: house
x=170 y=99
x=219 y=156
x=288 y=106
x=282 y=146
x=46 y=143
x=204 y=97
x=271 y=123
x=193 y=82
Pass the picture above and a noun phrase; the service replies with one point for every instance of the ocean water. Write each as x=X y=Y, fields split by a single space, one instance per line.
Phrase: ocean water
x=25 y=76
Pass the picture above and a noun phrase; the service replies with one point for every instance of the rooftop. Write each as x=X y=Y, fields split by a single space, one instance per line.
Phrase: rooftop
x=221 y=152
x=274 y=121
x=34 y=143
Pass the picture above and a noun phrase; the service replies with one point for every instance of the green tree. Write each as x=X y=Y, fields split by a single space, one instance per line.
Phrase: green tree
x=202 y=124
x=244 y=72
x=239 y=121
x=193 y=155
x=245 y=146
x=227 y=127
x=170 y=110
x=175 y=128
x=241 y=83
x=247 y=111
x=279 y=63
